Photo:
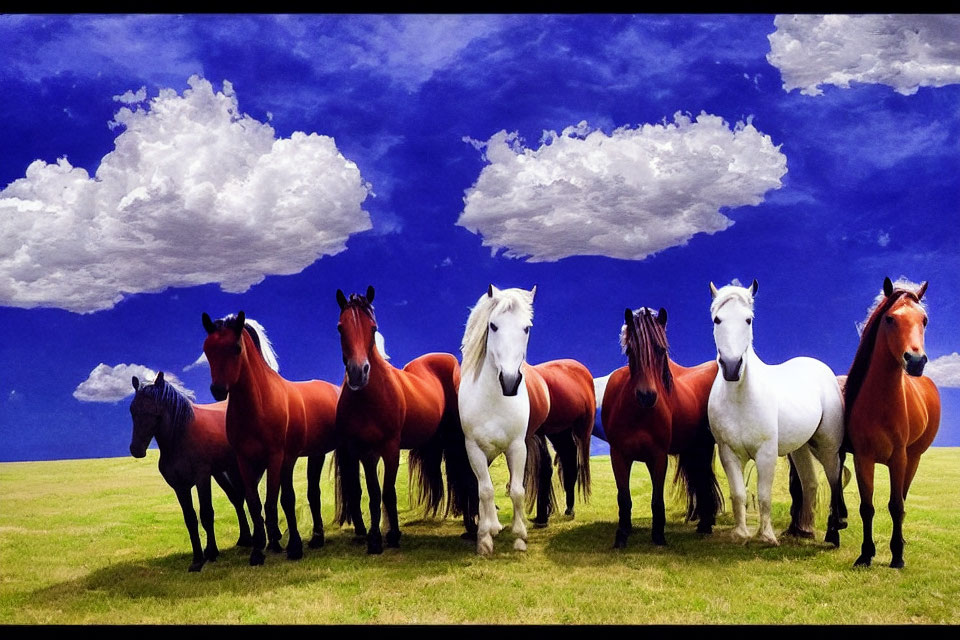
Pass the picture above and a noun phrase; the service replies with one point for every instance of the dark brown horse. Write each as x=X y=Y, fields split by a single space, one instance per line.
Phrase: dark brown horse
x=270 y=423
x=654 y=408
x=192 y=439
x=382 y=410
x=892 y=411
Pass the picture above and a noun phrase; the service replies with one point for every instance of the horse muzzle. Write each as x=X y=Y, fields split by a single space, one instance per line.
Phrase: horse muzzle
x=357 y=375
x=731 y=372
x=138 y=452
x=914 y=364
x=510 y=384
x=219 y=392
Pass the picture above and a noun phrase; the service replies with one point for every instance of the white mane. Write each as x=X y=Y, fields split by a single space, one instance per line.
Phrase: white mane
x=901 y=283
x=474 y=344
x=727 y=293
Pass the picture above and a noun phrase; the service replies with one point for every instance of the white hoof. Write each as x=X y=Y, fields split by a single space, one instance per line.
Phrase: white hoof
x=740 y=535
x=769 y=538
x=484 y=545
x=519 y=544
x=495 y=528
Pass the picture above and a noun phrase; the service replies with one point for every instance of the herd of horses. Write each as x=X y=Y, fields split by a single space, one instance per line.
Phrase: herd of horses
x=455 y=417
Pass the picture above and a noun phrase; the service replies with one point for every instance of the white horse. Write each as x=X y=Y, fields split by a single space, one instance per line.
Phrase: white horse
x=494 y=402
x=763 y=411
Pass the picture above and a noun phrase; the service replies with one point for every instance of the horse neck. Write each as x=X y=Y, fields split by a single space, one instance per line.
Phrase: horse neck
x=166 y=435
x=885 y=374
x=254 y=379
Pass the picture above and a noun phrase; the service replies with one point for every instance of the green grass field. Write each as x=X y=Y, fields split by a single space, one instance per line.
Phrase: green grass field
x=103 y=541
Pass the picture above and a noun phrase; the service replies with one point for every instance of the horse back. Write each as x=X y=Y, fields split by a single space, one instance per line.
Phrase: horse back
x=688 y=402
x=539 y=395
x=429 y=385
x=572 y=399
x=206 y=439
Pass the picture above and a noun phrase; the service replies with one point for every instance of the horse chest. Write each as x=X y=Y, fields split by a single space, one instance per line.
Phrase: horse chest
x=492 y=420
x=742 y=423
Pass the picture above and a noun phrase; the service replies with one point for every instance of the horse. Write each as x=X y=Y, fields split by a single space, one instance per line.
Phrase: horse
x=193 y=447
x=270 y=423
x=759 y=411
x=892 y=411
x=500 y=416
x=653 y=408
x=381 y=410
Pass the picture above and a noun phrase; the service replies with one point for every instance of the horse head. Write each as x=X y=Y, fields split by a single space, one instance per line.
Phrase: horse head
x=903 y=325
x=147 y=412
x=643 y=338
x=507 y=333
x=732 y=311
x=224 y=350
x=358 y=329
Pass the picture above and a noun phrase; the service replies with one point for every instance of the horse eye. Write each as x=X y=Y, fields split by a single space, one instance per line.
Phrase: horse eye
x=716 y=321
x=889 y=319
x=526 y=329
x=749 y=320
x=924 y=320
x=374 y=328
x=493 y=327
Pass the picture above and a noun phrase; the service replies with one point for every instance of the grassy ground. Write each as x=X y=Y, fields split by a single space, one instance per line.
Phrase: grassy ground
x=103 y=541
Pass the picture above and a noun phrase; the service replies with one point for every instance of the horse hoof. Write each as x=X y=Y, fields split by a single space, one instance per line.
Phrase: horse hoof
x=393 y=544
x=196 y=566
x=620 y=542
x=863 y=561
x=539 y=524
x=485 y=546
x=274 y=546
x=294 y=551
x=374 y=545
x=896 y=563
x=842 y=524
x=660 y=540
x=245 y=541
x=469 y=535
x=796 y=532
x=833 y=537
x=316 y=541
x=211 y=554
x=705 y=529
x=256 y=558
x=519 y=544
x=568 y=512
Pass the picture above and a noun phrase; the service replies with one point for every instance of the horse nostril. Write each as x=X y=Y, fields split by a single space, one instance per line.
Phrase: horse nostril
x=366 y=368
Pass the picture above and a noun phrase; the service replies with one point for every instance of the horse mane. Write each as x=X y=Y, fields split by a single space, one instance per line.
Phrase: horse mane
x=639 y=345
x=727 y=293
x=868 y=339
x=167 y=395
x=474 y=343
x=259 y=336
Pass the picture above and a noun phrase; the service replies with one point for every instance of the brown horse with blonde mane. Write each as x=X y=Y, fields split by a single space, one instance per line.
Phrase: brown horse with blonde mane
x=382 y=410
x=270 y=423
x=892 y=411
x=653 y=408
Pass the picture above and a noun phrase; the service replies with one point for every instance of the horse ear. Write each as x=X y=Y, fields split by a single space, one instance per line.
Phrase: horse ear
x=533 y=293
x=370 y=295
x=341 y=299
x=239 y=322
x=136 y=383
x=922 y=290
x=159 y=380
x=754 y=287
x=490 y=291
x=713 y=290
x=887 y=287
x=628 y=316
x=662 y=317
x=208 y=323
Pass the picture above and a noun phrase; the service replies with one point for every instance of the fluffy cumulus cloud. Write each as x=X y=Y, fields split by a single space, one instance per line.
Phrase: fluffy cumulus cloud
x=194 y=192
x=112 y=384
x=945 y=370
x=625 y=195
x=902 y=51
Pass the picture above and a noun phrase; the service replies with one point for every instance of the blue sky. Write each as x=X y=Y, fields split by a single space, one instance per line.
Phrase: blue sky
x=219 y=163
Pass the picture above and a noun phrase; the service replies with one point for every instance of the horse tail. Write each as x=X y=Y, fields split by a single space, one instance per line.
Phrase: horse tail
x=696 y=477
x=796 y=494
x=581 y=439
x=342 y=500
x=462 y=492
x=536 y=477
x=426 y=476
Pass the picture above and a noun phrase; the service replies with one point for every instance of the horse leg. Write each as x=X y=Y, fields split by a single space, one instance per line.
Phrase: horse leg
x=251 y=479
x=658 y=474
x=766 y=468
x=913 y=461
x=391 y=462
x=516 y=459
x=831 y=467
x=706 y=490
x=374 y=538
x=288 y=500
x=206 y=519
x=569 y=465
x=733 y=467
x=233 y=487
x=190 y=519
x=864 y=467
x=842 y=504
x=621 y=473
x=350 y=477
x=898 y=468
x=314 y=469
x=802 y=459
x=487 y=510
x=270 y=504
x=544 y=482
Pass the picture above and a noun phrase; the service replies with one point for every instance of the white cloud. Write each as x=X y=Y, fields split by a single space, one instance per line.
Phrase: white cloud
x=132 y=98
x=199 y=362
x=902 y=51
x=945 y=370
x=625 y=195
x=112 y=384
x=194 y=192
x=883 y=239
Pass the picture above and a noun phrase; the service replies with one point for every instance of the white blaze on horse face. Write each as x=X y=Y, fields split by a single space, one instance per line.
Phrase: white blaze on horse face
x=507 y=339
x=733 y=335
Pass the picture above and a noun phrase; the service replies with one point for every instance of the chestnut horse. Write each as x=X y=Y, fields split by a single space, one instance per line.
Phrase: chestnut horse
x=382 y=410
x=892 y=412
x=192 y=439
x=270 y=423
x=653 y=408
